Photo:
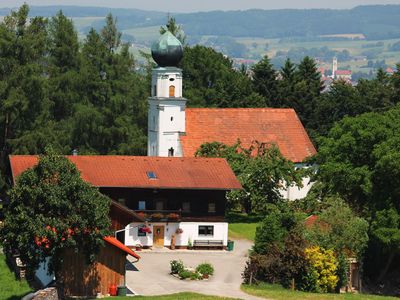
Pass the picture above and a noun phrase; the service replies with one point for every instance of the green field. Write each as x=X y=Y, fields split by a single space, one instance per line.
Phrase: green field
x=10 y=287
x=353 y=46
x=276 y=292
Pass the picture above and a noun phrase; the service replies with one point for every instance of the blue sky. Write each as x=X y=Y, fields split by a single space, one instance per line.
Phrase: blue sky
x=203 y=5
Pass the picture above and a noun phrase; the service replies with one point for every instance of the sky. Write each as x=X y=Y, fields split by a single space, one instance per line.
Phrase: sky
x=203 y=5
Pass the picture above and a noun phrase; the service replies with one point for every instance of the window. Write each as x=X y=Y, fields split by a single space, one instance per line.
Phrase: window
x=171 y=152
x=186 y=206
x=142 y=205
x=155 y=90
x=140 y=232
x=151 y=175
x=172 y=91
x=211 y=207
x=206 y=230
x=159 y=205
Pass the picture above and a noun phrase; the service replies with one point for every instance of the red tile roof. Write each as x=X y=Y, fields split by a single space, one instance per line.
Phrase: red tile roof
x=343 y=72
x=131 y=171
x=113 y=241
x=267 y=125
x=310 y=221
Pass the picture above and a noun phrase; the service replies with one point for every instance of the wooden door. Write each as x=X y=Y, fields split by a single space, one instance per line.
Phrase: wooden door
x=158 y=236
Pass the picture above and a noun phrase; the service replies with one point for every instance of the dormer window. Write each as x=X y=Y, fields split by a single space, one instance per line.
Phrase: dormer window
x=151 y=175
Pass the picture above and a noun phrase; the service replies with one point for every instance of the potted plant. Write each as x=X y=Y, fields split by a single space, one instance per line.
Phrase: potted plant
x=157 y=216
x=173 y=216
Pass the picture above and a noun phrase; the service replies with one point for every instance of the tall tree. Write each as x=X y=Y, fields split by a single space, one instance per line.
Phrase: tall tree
x=52 y=209
x=308 y=88
x=265 y=81
x=262 y=171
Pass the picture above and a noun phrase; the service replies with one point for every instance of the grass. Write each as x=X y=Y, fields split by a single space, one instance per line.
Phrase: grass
x=242 y=231
x=179 y=296
x=276 y=292
x=10 y=287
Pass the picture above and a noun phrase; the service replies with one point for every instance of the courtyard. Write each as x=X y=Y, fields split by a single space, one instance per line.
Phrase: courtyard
x=151 y=275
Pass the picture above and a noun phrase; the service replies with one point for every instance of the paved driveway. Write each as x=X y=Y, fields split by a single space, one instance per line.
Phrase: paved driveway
x=152 y=274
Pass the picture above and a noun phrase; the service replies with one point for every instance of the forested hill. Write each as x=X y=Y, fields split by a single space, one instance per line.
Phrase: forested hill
x=375 y=22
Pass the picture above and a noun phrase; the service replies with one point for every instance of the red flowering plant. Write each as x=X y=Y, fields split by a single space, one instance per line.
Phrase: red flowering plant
x=52 y=209
x=173 y=216
x=145 y=229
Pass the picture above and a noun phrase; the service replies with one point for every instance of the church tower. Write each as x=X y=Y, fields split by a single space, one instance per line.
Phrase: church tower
x=166 y=117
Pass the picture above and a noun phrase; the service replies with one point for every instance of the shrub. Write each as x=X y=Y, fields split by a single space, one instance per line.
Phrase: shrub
x=195 y=275
x=176 y=266
x=205 y=269
x=322 y=269
x=279 y=264
x=185 y=274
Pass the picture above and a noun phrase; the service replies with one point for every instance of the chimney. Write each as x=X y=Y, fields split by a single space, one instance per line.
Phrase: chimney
x=75 y=152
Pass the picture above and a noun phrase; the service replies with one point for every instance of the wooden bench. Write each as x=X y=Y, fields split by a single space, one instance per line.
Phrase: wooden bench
x=208 y=244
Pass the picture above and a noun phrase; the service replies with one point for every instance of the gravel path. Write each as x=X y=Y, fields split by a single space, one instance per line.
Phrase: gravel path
x=151 y=274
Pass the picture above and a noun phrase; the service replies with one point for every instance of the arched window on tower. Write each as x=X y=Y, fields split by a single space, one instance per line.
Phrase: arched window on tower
x=171 y=152
x=172 y=91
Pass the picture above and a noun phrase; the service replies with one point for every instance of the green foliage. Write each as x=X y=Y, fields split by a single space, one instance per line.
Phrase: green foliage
x=338 y=228
x=283 y=263
x=205 y=269
x=210 y=80
x=185 y=274
x=261 y=169
x=36 y=223
x=321 y=276
x=274 y=229
x=359 y=160
x=176 y=266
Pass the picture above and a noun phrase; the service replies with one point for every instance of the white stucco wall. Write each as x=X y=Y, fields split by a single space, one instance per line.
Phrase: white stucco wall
x=295 y=192
x=190 y=231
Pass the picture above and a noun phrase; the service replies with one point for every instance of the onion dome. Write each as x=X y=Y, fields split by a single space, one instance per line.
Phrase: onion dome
x=167 y=51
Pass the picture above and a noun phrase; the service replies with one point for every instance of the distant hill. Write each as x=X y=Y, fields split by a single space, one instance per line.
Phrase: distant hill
x=374 y=21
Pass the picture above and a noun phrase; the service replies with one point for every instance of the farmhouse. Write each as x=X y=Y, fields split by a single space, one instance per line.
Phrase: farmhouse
x=167 y=201
x=174 y=130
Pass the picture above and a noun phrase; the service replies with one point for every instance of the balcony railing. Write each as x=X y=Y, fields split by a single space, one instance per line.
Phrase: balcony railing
x=160 y=215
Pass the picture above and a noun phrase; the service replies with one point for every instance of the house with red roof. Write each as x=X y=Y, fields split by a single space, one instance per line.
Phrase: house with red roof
x=158 y=201
x=177 y=131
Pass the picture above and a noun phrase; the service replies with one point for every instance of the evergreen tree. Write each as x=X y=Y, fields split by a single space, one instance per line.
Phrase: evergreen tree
x=265 y=81
x=175 y=29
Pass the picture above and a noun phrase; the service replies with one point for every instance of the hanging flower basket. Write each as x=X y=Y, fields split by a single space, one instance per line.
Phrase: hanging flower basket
x=179 y=231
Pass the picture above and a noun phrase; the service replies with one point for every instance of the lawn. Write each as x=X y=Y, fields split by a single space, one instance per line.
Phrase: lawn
x=180 y=296
x=242 y=231
x=277 y=292
x=10 y=288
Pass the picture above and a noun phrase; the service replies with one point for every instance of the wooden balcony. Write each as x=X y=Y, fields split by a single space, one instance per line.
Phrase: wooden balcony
x=160 y=215
x=178 y=216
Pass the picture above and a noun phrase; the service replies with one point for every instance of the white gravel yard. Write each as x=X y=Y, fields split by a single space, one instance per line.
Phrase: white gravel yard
x=152 y=275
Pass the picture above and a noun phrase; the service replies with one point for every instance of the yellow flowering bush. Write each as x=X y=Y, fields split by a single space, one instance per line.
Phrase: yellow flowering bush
x=323 y=266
